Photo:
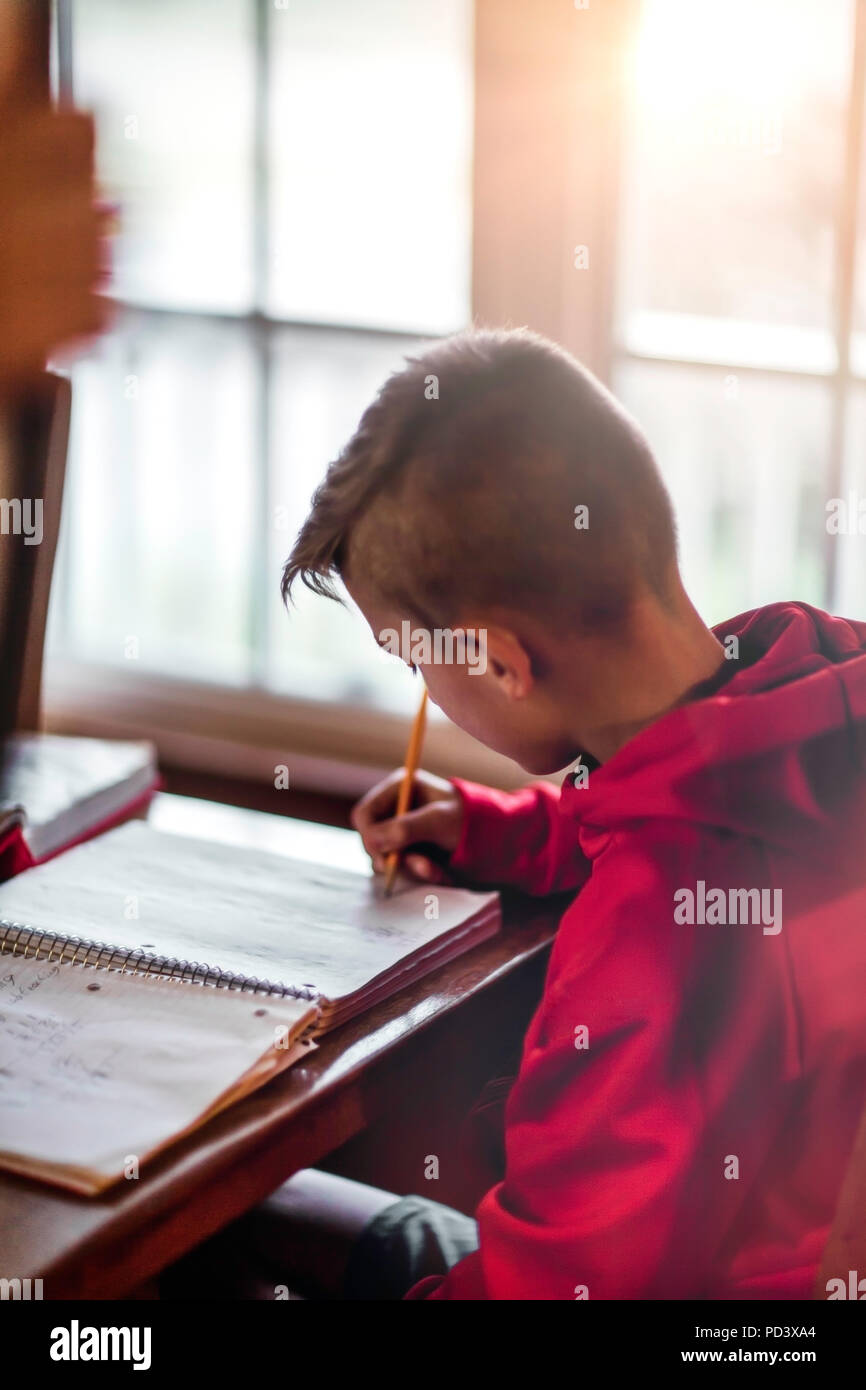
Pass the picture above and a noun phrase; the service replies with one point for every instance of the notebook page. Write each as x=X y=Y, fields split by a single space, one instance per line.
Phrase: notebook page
x=96 y=1066
x=242 y=910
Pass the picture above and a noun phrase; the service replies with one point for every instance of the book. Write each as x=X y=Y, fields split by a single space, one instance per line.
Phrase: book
x=100 y=1070
x=54 y=791
x=209 y=920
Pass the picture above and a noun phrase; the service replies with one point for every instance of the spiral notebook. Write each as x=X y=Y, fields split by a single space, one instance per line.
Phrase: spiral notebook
x=123 y=929
x=150 y=902
x=100 y=1070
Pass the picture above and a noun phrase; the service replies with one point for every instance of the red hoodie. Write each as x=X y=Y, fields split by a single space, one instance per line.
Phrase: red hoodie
x=689 y=1090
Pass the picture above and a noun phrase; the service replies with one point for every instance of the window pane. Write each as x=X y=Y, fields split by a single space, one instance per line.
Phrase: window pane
x=171 y=82
x=370 y=163
x=745 y=459
x=858 y=317
x=734 y=179
x=846 y=517
x=158 y=545
x=173 y=545
x=176 y=524
x=321 y=384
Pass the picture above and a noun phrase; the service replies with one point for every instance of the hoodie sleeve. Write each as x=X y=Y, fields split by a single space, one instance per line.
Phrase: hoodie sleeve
x=628 y=1103
x=519 y=839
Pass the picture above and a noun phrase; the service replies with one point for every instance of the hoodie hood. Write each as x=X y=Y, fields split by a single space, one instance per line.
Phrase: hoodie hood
x=775 y=753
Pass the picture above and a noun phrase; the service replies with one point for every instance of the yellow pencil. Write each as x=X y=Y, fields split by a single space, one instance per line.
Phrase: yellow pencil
x=413 y=753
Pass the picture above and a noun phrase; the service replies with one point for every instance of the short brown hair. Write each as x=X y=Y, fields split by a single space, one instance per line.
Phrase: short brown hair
x=462 y=481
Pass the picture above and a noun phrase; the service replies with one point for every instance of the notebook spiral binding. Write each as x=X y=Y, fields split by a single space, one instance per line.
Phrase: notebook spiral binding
x=19 y=940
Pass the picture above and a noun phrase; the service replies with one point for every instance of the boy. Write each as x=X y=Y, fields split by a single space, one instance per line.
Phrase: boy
x=692 y=1080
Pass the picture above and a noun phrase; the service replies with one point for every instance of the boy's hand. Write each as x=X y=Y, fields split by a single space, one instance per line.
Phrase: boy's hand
x=436 y=818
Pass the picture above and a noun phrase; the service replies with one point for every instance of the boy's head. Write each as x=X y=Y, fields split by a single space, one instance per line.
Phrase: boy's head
x=495 y=485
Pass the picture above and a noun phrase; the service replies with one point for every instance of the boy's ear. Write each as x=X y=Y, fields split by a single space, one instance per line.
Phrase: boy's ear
x=498 y=653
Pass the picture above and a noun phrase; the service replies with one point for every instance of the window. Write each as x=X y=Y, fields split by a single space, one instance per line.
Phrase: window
x=294 y=182
x=305 y=189
x=740 y=283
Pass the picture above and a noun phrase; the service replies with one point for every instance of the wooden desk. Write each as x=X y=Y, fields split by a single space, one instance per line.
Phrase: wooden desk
x=402 y=1058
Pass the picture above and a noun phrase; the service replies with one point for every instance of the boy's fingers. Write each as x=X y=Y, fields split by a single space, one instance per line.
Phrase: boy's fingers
x=417 y=865
x=377 y=802
x=380 y=803
x=425 y=823
x=425 y=869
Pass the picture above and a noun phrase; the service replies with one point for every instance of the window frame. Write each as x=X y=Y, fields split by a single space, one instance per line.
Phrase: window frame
x=339 y=746
x=569 y=79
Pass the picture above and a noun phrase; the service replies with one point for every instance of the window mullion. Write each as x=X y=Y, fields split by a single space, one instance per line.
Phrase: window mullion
x=846 y=271
x=260 y=588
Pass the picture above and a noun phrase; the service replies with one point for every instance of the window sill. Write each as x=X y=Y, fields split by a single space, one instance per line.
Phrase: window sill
x=333 y=748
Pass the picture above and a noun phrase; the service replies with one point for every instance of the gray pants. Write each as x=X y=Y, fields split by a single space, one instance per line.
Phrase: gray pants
x=405 y=1242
